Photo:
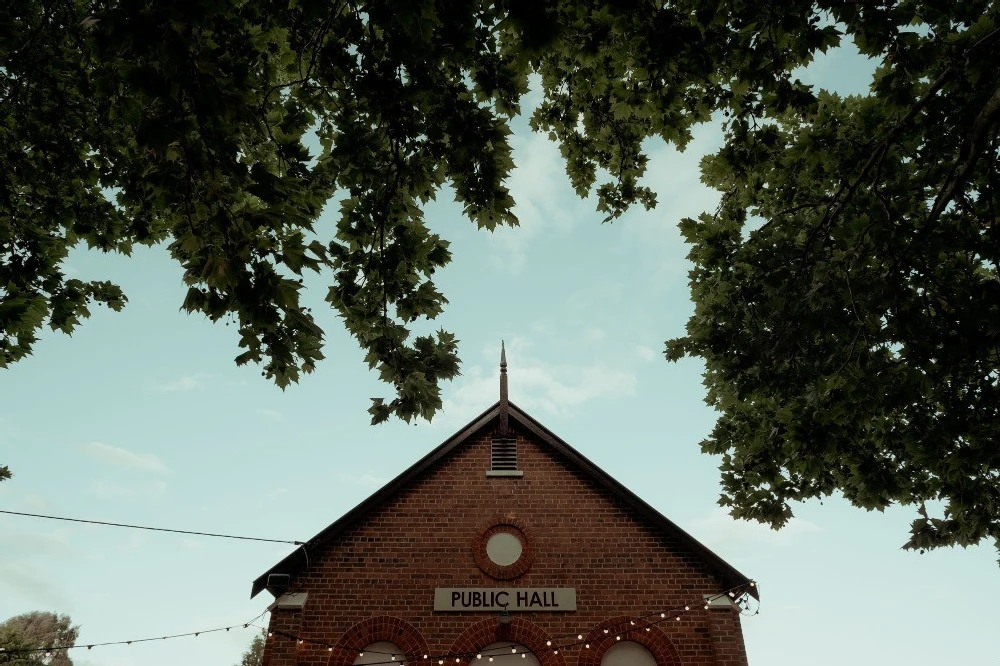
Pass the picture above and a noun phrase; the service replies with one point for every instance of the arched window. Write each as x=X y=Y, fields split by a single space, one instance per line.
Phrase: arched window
x=380 y=653
x=503 y=655
x=628 y=653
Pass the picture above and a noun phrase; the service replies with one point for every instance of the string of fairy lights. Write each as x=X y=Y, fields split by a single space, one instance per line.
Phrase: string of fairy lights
x=621 y=631
x=738 y=597
x=53 y=649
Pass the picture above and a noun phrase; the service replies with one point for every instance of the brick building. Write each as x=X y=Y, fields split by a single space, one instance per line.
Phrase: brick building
x=501 y=546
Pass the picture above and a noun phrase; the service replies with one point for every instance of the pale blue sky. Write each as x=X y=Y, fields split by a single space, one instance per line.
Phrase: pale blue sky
x=142 y=417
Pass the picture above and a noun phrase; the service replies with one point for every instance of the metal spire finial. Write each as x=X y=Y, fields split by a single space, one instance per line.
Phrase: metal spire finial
x=503 y=390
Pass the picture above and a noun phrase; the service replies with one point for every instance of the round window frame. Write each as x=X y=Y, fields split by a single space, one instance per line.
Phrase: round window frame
x=509 y=525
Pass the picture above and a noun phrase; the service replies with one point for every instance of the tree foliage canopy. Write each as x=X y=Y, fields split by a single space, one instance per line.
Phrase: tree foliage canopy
x=35 y=638
x=851 y=331
x=254 y=654
x=846 y=288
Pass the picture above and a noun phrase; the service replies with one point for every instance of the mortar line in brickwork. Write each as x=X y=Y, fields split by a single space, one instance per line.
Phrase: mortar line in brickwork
x=618 y=630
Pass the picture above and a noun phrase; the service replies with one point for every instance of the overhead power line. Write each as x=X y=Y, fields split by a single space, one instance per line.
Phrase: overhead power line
x=152 y=529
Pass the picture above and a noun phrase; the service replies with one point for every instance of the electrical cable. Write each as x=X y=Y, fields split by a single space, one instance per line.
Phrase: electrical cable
x=152 y=529
x=618 y=630
x=57 y=648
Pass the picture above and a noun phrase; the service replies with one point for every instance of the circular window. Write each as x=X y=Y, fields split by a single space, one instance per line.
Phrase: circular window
x=502 y=549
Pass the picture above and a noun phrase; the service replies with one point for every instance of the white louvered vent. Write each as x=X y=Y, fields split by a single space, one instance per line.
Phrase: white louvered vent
x=504 y=455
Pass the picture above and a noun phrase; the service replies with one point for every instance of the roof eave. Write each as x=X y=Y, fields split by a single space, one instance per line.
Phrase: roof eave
x=293 y=562
x=728 y=575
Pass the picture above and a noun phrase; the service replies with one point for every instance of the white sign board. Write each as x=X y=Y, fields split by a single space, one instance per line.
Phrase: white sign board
x=500 y=598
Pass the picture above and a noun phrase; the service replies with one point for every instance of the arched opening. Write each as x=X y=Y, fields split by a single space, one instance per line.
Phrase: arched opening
x=382 y=652
x=628 y=653
x=506 y=653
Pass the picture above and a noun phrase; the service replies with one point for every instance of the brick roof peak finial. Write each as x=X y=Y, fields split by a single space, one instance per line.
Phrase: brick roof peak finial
x=503 y=390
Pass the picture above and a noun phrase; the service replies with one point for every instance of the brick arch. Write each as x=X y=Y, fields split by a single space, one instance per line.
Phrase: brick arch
x=519 y=630
x=373 y=630
x=655 y=640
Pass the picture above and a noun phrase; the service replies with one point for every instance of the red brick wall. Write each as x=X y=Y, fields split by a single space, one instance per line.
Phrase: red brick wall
x=581 y=536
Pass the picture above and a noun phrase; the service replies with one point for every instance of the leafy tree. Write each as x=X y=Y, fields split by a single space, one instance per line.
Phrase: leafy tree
x=36 y=638
x=254 y=655
x=846 y=288
x=847 y=295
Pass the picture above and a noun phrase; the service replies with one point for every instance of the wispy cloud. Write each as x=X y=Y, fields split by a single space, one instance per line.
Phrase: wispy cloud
x=645 y=353
x=31 y=585
x=106 y=490
x=124 y=458
x=15 y=544
x=271 y=415
x=551 y=388
x=364 y=480
x=34 y=502
x=186 y=383
x=545 y=200
x=720 y=530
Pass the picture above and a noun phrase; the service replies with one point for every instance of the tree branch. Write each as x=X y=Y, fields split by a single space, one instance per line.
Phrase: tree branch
x=971 y=150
